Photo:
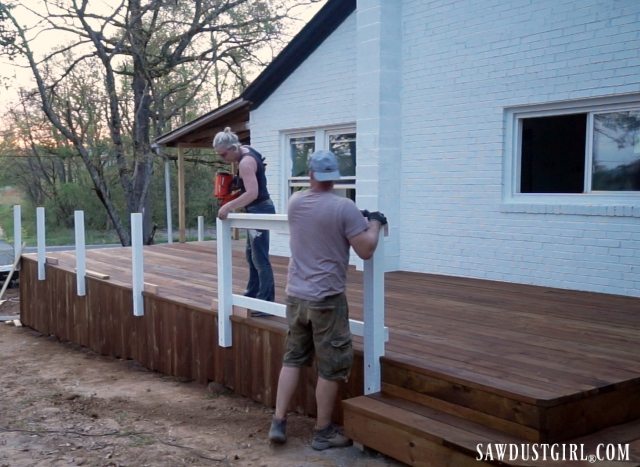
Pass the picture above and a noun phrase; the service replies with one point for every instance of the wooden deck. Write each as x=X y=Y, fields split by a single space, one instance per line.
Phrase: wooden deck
x=468 y=360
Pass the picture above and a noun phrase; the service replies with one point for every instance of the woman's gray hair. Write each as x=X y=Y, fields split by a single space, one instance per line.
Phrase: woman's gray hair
x=226 y=139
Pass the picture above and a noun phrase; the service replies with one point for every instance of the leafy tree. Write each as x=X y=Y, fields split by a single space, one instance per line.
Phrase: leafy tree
x=130 y=71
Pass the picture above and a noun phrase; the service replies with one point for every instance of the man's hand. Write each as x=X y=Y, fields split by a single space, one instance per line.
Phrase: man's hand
x=375 y=216
x=378 y=216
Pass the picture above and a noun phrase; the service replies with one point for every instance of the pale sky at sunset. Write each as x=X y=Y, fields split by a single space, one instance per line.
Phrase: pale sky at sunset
x=13 y=77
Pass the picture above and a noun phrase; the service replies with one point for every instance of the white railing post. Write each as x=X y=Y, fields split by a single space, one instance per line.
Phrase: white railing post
x=42 y=248
x=137 y=264
x=80 y=253
x=225 y=285
x=167 y=195
x=373 y=314
x=200 y=228
x=17 y=231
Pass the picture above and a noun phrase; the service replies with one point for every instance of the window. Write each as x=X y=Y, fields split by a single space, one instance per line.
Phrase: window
x=553 y=150
x=616 y=151
x=592 y=149
x=300 y=146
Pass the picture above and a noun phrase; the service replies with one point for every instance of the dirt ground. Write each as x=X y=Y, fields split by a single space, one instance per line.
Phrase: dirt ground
x=63 y=405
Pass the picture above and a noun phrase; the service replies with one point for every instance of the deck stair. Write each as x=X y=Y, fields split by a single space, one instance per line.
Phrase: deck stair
x=426 y=418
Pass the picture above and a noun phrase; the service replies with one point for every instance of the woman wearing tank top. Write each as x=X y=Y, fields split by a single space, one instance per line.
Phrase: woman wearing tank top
x=255 y=199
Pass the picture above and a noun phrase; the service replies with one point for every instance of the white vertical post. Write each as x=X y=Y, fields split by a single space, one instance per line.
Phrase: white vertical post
x=80 y=253
x=17 y=231
x=373 y=314
x=225 y=286
x=42 y=248
x=137 y=264
x=200 y=228
x=167 y=195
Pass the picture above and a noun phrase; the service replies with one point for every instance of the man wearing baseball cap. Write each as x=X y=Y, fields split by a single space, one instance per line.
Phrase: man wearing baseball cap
x=323 y=227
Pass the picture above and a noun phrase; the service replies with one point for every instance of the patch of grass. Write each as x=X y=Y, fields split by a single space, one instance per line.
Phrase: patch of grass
x=56 y=236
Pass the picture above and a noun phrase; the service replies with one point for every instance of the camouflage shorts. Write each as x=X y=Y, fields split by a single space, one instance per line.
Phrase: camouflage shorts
x=320 y=327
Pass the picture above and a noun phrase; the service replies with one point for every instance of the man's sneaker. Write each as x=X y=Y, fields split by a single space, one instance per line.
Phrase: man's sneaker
x=278 y=430
x=329 y=437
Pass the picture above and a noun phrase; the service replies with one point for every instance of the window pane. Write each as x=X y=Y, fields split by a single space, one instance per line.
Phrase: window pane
x=300 y=149
x=616 y=151
x=553 y=154
x=344 y=147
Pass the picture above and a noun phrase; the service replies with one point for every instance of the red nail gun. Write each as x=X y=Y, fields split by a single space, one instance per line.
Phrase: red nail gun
x=224 y=189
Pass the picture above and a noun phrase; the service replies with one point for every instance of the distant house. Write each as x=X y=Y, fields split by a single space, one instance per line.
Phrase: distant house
x=501 y=139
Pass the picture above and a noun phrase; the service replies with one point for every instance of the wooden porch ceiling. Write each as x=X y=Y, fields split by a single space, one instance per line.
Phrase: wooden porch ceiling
x=199 y=133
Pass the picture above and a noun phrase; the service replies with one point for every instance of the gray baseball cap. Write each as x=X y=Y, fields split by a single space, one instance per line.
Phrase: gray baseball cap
x=324 y=165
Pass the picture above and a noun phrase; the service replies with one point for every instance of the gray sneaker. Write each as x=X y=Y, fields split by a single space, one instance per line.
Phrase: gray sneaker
x=329 y=437
x=278 y=430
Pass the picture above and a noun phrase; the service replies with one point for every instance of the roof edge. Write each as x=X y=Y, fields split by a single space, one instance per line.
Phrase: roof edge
x=200 y=121
x=296 y=52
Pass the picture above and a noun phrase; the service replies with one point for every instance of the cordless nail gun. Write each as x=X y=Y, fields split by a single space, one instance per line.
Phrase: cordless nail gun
x=225 y=188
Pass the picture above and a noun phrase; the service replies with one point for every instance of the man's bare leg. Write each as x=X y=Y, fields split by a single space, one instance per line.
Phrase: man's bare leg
x=287 y=384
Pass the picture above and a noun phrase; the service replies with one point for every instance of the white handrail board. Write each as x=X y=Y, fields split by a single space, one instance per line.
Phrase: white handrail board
x=276 y=309
x=272 y=222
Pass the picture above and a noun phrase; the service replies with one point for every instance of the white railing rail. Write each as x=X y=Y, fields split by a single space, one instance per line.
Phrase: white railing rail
x=372 y=329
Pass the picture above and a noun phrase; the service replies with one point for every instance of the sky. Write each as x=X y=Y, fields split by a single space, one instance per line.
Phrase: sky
x=12 y=77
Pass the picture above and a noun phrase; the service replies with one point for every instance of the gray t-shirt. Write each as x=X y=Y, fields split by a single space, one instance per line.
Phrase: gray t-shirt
x=320 y=224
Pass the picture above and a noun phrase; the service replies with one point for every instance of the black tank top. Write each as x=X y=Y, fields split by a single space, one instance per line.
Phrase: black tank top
x=263 y=192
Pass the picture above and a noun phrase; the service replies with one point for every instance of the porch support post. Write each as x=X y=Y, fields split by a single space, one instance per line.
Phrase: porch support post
x=167 y=196
x=137 y=264
x=80 y=253
x=225 y=282
x=181 y=195
x=42 y=248
x=373 y=314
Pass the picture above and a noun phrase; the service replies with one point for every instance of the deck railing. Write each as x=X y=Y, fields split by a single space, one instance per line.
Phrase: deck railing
x=373 y=330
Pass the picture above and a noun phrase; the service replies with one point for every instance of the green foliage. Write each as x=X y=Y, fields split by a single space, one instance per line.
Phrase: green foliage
x=90 y=148
x=6 y=222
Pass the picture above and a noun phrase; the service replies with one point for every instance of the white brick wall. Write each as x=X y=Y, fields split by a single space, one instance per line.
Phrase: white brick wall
x=464 y=62
x=321 y=92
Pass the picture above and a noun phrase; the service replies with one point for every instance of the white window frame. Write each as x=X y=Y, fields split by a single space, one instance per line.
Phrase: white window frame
x=321 y=135
x=512 y=160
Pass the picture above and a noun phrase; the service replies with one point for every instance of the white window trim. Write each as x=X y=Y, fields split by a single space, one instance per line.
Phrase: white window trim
x=321 y=135
x=590 y=203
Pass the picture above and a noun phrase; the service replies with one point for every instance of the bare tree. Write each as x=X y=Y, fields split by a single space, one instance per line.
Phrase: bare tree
x=152 y=57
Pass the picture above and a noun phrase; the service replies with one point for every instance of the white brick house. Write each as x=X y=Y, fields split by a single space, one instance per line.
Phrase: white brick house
x=441 y=96
x=501 y=138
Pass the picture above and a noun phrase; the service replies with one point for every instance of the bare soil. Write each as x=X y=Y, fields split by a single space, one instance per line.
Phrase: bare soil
x=63 y=405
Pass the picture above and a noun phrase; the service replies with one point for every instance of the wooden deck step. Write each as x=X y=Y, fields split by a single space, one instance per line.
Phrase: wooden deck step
x=512 y=409
x=411 y=433
x=422 y=436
